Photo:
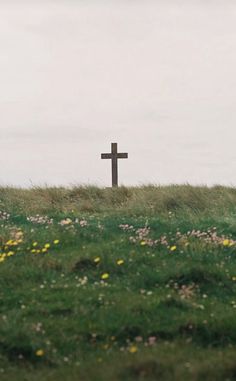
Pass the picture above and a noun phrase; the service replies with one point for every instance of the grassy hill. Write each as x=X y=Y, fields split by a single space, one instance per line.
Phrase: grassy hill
x=118 y=284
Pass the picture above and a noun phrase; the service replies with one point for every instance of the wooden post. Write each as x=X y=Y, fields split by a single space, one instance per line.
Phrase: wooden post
x=114 y=170
x=114 y=156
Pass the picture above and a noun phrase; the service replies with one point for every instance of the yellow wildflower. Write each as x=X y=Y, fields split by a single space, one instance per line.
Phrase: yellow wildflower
x=143 y=243
x=133 y=349
x=47 y=245
x=120 y=262
x=226 y=242
x=35 y=244
x=56 y=241
x=44 y=250
x=104 y=276
x=234 y=278
x=97 y=259
x=173 y=248
x=33 y=251
x=39 y=352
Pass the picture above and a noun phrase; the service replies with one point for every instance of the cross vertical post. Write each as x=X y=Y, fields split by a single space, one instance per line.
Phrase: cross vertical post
x=114 y=162
x=114 y=156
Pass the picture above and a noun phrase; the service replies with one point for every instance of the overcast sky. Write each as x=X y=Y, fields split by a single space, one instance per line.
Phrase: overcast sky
x=158 y=77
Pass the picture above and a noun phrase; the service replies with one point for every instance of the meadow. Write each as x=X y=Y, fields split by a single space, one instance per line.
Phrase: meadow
x=118 y=284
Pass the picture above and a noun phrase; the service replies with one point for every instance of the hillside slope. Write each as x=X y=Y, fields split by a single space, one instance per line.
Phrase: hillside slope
x=118 y=284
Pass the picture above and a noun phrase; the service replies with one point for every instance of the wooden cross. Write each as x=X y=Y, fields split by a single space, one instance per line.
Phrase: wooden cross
x=114 y=156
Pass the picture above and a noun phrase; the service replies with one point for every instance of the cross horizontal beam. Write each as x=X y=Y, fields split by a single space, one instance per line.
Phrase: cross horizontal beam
x=110 y=155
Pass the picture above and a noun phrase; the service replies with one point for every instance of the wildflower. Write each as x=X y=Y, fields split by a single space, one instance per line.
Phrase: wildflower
x=33 y=251
x=226 y=242
x=133 y=349
x=47 y=245
x=44 y=250
x=83 y=281
x=126 y=227
x=187 y=292
x=56 y=241
x=83 y=223
x=120 y=262
x=234 y=278
x=40 y=220
x=35 y=244
x=39 y=352
x=104 y=276
x=66 y=221
x=152 y=340
x=143 y=243
x=4 y=215
x=173 y=248
x=97 y=259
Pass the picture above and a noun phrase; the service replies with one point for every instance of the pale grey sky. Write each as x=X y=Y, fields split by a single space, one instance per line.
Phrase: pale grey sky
x=157 y=76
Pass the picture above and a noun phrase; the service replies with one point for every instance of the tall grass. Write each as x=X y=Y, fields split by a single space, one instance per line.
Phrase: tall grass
x=136 y=200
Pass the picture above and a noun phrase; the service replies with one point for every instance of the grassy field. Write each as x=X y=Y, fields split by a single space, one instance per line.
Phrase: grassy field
x=118 y=284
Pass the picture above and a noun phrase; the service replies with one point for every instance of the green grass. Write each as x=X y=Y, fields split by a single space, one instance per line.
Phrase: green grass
x=167 y=311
